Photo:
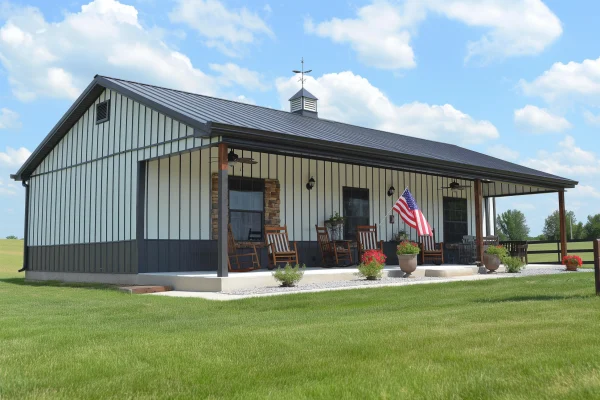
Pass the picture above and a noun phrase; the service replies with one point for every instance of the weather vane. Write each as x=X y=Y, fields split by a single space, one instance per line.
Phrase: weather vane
x=302 y=72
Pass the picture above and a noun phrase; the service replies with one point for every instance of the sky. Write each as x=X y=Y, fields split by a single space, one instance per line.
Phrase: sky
x=515 y=79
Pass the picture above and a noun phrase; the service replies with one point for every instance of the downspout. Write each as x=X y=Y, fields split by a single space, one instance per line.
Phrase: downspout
x=26 y=230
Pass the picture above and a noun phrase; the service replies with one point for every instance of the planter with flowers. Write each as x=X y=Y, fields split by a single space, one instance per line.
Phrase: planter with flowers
x=407 y=257
x=493 y=257
x=335 y=225
x=572 y=262
x=372 y=264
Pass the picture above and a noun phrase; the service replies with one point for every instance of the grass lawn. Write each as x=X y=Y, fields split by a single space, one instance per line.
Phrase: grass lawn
x=527 y=338
x=573 y=247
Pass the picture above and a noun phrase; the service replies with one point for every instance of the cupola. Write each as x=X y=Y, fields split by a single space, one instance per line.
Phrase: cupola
x=304 y=103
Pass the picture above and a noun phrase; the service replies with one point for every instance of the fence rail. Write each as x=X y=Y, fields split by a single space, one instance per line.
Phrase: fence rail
x=557 y=251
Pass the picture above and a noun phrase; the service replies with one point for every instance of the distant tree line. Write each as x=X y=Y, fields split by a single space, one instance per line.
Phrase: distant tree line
x=512 y=225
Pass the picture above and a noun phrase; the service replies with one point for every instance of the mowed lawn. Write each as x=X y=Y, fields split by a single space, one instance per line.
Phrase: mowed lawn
x=526 y=338
x=572 y=248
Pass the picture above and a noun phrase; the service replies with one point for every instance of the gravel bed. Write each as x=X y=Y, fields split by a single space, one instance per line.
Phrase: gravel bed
x=396 y=281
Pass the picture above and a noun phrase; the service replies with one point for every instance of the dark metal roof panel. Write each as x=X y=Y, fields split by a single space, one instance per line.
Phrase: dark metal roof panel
x=205 y=108
x=196 y=110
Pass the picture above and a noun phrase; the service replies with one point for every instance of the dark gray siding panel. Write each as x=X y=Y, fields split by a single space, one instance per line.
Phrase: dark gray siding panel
x=114 y=257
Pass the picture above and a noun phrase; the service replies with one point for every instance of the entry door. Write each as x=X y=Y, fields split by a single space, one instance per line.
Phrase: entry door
x=356 y=210
x=456 y=219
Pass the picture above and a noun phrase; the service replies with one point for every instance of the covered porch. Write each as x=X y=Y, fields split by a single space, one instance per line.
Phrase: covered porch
x=190 y=198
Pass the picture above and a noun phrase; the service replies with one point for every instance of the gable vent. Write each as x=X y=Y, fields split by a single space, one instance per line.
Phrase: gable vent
x=102 y=111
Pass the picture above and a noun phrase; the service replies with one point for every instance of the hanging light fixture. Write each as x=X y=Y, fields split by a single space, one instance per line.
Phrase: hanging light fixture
x=311 y=183
x=391 y=191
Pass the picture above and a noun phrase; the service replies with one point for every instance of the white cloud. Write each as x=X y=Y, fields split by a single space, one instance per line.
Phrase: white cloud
x=226 y=30
x=232 y=73
x=569 y=160
x=14 y=157
x=539 y=120
x=381 y=32
x=9 y=119
x=585 y=191
x=591 y=118
x=7 y=189
x=351 y=98
x=578 y=82
x=58 y=59
x=503 y=152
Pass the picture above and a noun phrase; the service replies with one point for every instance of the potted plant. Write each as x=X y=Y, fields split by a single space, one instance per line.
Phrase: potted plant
x=407 y=257
x=288 y=276
x=572 y=262
x=372 y=264
x=493 y=257
x=400 y=237
x=335 y=224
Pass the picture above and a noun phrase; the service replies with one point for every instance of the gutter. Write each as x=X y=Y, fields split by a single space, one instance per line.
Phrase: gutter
x=26 y=230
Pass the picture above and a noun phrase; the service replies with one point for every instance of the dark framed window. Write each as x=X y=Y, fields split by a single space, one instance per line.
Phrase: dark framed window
x=103 y=112
x=356 y=210
x=246 y=208
x=456 y=219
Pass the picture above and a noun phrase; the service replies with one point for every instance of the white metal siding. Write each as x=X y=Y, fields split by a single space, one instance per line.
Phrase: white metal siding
x=84 y=191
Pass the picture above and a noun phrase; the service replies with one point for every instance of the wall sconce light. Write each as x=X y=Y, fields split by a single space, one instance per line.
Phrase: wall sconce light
x=311 y=183
x=391 y=191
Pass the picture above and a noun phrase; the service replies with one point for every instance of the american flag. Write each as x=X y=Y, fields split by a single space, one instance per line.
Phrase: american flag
x=407 y=207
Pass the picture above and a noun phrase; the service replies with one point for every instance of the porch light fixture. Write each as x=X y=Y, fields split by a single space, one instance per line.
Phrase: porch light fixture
x=311 y=183
x=391 y=191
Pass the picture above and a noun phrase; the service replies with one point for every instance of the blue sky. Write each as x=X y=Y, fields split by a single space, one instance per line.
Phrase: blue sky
x=517 y=79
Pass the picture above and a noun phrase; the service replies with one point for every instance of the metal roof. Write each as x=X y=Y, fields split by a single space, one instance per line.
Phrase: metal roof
x=201 y=111
x=303 y=93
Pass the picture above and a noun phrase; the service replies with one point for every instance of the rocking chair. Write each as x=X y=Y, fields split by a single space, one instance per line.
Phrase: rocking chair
x=431 y=251
x=249 y=259
x=333 y=252
x=278 y=246
x=366 y=239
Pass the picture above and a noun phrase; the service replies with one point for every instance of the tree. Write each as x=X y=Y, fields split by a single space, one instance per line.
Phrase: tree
x=592 y=227
x=12 y=237
x=512 y=225
x=552 y=227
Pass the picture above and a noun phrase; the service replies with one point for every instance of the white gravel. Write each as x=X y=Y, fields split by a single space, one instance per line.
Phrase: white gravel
x=393 y=281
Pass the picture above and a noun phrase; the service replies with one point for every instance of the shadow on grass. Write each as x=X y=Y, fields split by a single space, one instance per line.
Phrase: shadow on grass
x=541 y=297
x=23 y=282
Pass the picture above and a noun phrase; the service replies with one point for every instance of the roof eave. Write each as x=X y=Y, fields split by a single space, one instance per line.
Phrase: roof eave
x=358 y=154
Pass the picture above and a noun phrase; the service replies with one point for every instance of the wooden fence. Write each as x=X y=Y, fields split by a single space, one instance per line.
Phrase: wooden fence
x=572 y=249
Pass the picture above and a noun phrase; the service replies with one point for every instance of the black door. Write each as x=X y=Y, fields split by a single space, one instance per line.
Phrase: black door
x=356 y=210
x=456 y=219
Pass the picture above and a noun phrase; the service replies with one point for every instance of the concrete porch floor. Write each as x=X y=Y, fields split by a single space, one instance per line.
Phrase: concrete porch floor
x=208 y=281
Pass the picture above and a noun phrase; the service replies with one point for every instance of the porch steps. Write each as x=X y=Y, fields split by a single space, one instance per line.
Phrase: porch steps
x=145 y=289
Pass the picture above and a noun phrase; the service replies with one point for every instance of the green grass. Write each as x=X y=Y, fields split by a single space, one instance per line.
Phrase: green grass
x=11 y=258
x=573 y=247
x=526 y=338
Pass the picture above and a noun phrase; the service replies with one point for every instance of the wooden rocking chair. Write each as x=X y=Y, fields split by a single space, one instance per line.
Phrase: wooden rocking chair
x=278 y=246
x=431 y=250
x=243 y=261
x=332 y=251
x=366 y=239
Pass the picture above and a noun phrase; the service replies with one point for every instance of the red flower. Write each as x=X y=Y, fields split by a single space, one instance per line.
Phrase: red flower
x=566 y=260
x=374 y=256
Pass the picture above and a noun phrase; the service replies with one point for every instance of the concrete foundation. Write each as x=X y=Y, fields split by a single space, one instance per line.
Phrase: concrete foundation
x=207 y=281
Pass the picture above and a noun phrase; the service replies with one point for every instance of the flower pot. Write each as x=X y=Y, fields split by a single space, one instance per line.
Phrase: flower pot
x=491 y=262
x=572 y=265
x=408 y=263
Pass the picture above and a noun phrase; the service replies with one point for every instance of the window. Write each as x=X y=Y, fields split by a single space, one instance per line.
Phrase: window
x=103 y=112
x=456 y=219
x=246 y=208
x=356 y=210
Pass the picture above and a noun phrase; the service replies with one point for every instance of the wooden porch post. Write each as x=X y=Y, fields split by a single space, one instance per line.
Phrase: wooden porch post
x=479 y=219
x=562 y=222
x=223 y=212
